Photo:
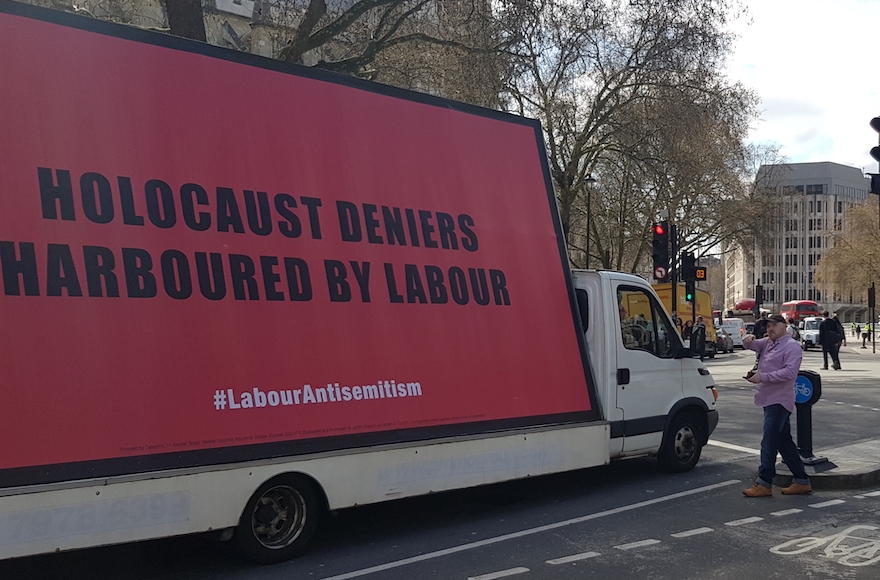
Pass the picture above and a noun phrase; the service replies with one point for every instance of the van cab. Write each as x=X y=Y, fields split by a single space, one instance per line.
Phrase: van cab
x=657 y=398
x=736 y=328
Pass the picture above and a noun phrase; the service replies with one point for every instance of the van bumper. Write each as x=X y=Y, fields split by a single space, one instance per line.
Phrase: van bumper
x=711 y=422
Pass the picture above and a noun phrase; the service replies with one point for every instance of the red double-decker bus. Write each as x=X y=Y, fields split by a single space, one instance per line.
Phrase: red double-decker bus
x=799 y=309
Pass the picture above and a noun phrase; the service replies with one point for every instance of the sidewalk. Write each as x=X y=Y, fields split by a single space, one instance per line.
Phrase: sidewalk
x=849 y=467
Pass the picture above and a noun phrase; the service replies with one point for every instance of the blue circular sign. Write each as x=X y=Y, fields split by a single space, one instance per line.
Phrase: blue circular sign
x=803 y=389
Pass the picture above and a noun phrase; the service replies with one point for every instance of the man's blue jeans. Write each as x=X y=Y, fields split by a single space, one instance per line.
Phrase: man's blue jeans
x=777 y=438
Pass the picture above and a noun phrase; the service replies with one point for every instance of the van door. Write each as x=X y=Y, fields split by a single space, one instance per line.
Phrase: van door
x=649 y=379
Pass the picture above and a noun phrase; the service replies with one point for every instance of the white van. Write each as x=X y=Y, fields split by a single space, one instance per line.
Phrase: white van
x=736 y=328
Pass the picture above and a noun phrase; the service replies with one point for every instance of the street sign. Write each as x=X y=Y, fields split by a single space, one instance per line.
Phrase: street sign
x=700 y=273
x=659 y=273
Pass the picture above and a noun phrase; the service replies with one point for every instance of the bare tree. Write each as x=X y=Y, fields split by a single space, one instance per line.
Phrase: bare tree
x=634 y=95
x=850 y=266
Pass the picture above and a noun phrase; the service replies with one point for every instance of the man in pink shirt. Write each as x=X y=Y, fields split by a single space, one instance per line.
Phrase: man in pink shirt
x=779 y=360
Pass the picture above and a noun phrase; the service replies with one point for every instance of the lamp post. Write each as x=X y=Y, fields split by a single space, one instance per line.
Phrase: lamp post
x=589 y=181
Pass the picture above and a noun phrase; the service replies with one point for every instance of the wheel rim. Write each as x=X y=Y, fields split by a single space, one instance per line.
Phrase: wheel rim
x=279 y=517
x=685 y=443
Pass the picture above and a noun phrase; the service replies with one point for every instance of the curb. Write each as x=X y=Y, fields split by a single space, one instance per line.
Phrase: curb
x=838 y=481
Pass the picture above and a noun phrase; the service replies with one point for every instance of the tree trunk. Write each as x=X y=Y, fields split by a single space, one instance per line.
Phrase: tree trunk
x=185 y=19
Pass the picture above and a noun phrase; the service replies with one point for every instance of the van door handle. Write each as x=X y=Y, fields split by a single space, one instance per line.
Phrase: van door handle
x=622 y=376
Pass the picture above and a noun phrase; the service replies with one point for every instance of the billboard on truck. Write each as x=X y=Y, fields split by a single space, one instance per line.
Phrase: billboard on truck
x=210 y=257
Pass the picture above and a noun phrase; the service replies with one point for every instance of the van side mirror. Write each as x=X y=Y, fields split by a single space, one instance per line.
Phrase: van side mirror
x=684 y=352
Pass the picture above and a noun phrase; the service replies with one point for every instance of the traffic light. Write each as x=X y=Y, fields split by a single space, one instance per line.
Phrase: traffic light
x=690 y=291
x=875 y=151
x=759 y=295
x=872 y=300
x=875 y=178
x=660 y=250
x=688 y=267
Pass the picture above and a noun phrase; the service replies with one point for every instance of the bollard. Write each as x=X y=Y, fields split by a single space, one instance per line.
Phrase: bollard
x=808 y=390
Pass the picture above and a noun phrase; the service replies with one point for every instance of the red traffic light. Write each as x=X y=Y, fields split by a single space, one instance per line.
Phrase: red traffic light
x=659 y=230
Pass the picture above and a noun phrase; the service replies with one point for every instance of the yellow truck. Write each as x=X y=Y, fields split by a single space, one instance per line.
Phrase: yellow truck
x=684 y=309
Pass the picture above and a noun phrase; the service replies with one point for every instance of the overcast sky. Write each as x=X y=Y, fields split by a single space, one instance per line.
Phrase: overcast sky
x=816 y=66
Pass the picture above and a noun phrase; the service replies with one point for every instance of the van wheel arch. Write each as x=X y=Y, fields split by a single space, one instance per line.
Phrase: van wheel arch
x=280 y=518
x=683 y=440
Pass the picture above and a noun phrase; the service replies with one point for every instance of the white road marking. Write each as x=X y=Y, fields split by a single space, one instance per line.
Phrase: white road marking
x=501 y=574
x=692 y=532
x=734 y=447
x=839 y=403
x=871 y=494
x=857 y=406
x=827 y=503
x=528 y=532
x=574 y=558
x=786 y=512
x=875 y=409
x=640 y=544
x=743 y=521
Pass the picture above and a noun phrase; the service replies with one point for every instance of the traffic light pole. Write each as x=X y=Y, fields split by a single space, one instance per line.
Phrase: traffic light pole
x=673 y=269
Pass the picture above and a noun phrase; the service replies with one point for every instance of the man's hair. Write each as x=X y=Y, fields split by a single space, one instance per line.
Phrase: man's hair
x=825 y=313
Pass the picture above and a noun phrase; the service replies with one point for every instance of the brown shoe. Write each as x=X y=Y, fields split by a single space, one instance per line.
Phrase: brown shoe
x=836 y=366
x=797 y=488
x=759 y=490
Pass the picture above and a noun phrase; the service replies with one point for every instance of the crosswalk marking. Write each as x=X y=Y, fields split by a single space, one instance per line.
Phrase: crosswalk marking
x=691 y=532
x=743 y=521
x=574 y=558
x=501 y=574
x=640 y=544
x=827 y=503
x=786 y=512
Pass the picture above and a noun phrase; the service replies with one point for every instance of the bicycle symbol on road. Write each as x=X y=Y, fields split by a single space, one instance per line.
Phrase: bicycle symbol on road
x=850 y=550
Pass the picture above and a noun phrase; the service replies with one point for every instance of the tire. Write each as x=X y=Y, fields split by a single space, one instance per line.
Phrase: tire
x=278 y=520
x=682 y=443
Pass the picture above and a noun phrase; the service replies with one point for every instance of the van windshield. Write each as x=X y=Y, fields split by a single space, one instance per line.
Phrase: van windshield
x=812 y=325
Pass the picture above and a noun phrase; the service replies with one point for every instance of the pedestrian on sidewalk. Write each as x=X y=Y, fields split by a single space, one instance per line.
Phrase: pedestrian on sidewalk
x=840 y=328
x=830 y=337
x=698 y=337
x=779 y=360
x=793 y=330
x=760 y=330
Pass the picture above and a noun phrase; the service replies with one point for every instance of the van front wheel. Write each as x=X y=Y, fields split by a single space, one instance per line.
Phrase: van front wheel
x=682 y=443
x=279 y=520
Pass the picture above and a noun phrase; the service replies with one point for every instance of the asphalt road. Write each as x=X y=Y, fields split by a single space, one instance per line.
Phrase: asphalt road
x=626 y=520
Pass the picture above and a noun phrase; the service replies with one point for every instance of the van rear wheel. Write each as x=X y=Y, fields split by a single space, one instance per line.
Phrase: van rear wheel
x=278 y=520
x=682 y=443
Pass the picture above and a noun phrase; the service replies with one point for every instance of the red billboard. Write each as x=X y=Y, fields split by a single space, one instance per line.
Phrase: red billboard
x=205 y=252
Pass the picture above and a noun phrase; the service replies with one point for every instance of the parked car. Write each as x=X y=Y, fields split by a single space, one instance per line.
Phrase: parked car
x=810 y=332
x=724 y=343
